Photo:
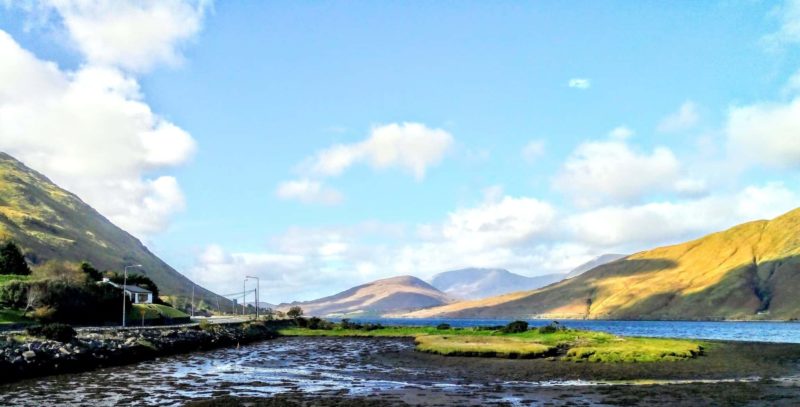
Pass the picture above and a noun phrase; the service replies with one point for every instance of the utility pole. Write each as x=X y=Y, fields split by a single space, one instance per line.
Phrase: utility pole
x=258 y=287
x=244 y=295
x=124 y=283
x=192 y=300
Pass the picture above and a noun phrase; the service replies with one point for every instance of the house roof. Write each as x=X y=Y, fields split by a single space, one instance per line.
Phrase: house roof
x=137 y=289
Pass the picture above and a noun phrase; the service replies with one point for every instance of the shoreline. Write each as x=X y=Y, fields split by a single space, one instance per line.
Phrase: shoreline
x=98 y=348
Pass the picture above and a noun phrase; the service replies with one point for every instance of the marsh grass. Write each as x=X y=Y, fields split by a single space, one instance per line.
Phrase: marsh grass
x=570 y=344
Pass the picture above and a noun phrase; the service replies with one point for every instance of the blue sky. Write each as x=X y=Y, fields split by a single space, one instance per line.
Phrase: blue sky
x=325 y=144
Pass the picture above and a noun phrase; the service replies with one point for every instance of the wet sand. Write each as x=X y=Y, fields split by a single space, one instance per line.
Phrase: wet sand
x=386 y=372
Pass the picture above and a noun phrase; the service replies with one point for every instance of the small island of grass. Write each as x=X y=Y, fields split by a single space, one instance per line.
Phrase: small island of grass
x=517 y=341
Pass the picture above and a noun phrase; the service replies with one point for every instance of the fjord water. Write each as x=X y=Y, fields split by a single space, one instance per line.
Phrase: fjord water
x=750 y=331
x=335 y=366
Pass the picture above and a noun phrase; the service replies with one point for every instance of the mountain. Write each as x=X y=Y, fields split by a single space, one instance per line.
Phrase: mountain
x=397 y=294
x=49 y=223
x=751 y=271
x=473 y=283
x=597 y=261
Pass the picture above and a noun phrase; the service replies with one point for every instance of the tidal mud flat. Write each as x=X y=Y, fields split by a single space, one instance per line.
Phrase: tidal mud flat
x=387 y=371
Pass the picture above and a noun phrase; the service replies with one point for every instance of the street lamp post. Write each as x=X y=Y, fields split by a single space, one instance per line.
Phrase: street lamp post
x=258 y=288
x=124 y=283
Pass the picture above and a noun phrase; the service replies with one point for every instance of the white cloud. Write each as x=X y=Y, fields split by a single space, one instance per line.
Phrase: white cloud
x=643 y=226
x=411 y=146
x=610 y=171
x=133 y=35
x=789 y=31
x=308 y=191
x=90 y=130
x=533 y=150
x=766 y=133
x=685 y=118
x=621 y=133
x=507 y=222
x=579 y=83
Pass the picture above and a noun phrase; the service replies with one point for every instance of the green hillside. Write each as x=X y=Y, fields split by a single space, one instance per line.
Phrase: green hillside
x=751 y=271
x=49 y=223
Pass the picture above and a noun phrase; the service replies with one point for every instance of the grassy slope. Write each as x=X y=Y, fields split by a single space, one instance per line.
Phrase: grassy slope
x=751 y=271
x=582 y=345
x=153 y=311
x=51 y=223
x=6 y=278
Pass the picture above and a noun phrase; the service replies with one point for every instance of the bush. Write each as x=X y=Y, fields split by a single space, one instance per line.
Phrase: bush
x=44 y=314
x=515 y=327
x=301 y=322
x=294 y=312
x=443 y=327
x=255 y=330
x=552 y=328
x=14 y=294
x=12 y=261
x=54 y=332
x=346 y=324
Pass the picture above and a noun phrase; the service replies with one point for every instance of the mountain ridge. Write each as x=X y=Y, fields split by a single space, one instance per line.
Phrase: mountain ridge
x=394 y=294
x=51 y=223
x=749 y=271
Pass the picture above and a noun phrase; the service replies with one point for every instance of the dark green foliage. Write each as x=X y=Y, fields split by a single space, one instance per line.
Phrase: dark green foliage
x=54 y=332
x=301 y=322
x=317 y=323
x=552 y=328
x=14 y=294
x=92 y=273
x=256 y=330
x=516 y=327
x=346 y=324
x=443 y=327
x=70 y=303
x=12 y=261
x=294 y=312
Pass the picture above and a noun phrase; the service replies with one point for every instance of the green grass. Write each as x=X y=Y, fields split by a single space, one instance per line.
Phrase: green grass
x=571 y=345
x=12 y=316
x=153 y=311
x=6 y=278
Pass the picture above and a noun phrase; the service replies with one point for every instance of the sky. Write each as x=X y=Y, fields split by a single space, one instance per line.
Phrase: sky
x=321 y=145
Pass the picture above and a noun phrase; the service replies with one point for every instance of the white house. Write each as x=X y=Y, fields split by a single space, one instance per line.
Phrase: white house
x=138 y=295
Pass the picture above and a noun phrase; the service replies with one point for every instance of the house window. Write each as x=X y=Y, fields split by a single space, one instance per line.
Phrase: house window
x=141 y=297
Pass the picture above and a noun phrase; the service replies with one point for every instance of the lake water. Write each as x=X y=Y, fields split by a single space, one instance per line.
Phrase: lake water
x=785 y=332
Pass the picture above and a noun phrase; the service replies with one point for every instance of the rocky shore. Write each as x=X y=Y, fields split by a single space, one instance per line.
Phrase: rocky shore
x=25 y=357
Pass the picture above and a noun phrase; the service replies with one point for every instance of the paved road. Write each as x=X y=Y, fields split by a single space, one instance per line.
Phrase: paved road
x=196 y=320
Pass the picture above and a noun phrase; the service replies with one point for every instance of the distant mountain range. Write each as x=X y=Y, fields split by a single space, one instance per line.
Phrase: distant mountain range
x=50 y=223
x=751 y=271
x=391 y=295
x=474 y=283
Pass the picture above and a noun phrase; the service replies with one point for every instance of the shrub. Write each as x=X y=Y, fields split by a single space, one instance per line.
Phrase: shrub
x=206 y=326
x=255 y=330
x=371 y=327
x=54 y=332
x=14 y=294
x=552 y=328
x=516 y=327
x=301 y=322
x=346 y=324
x=12 y=261
x=44 y=313
x=443 y=327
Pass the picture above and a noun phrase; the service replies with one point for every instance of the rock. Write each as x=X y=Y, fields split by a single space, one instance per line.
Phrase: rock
x=64 y=351
x=29 y=354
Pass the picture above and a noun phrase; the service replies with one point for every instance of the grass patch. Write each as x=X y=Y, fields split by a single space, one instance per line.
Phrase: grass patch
x=636 y=350
x=485 y=346
x=570 y=344
x=7 y=278
x=13 y=316
x=153 y=312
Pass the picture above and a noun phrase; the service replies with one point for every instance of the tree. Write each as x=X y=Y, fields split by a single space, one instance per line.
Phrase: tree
x=91 y=272
x=12 y=261
x=295 y=312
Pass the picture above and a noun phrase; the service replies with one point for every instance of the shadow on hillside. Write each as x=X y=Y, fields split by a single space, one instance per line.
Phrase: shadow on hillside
x=768 y=290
